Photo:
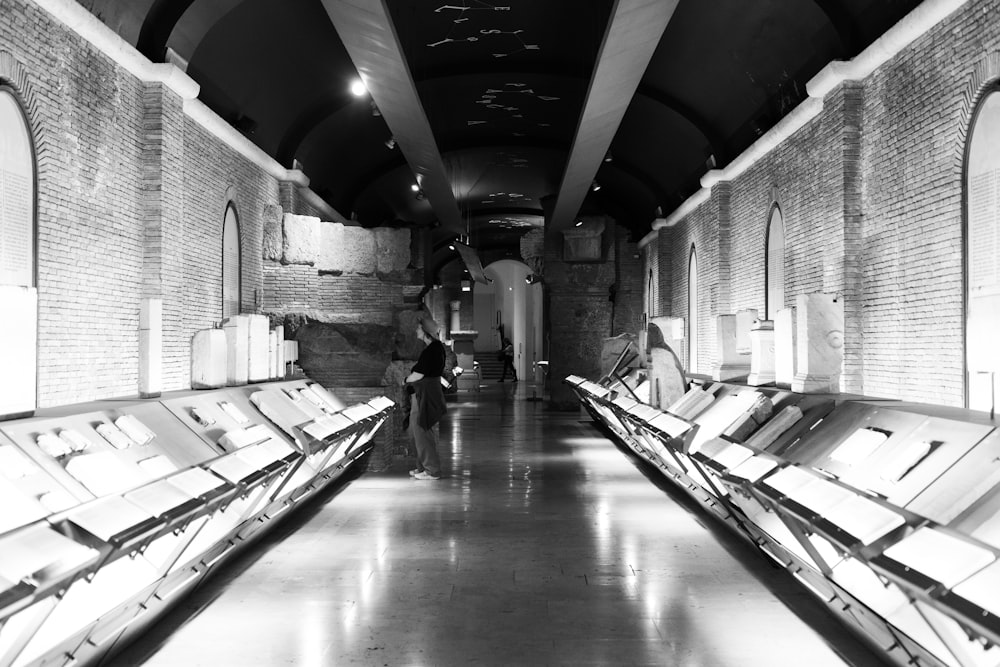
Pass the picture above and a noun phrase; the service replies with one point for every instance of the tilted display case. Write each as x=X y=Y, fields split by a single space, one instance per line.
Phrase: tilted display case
x=110 y=514
x=887 y=512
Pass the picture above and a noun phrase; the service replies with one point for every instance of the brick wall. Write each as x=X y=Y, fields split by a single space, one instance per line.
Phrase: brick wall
x=131 y=199
x=629 y=286
x=871 y=195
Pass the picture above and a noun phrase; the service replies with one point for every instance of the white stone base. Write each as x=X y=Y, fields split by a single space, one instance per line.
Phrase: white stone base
x=816 y=384
x=730 y=372
x=468 y=381
x=758 y=379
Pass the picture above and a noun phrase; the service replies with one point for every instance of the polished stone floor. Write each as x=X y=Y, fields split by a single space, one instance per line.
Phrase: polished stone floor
x=545 y=545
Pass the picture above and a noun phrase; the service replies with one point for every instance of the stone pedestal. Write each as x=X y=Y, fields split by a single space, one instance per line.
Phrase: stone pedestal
x=18 y=350
x=237 y=330
x=466 y=353
x=761 y=353
x=820 y=343
x=784 y=347
x=208 y=359
x=150 y=348
x=733 y=346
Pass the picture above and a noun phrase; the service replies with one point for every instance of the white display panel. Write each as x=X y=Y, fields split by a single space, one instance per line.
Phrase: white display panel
x=941 y=557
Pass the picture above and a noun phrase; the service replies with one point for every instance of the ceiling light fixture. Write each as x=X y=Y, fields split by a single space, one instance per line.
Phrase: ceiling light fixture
x=578 y=223
x=390 y=143
x=358 y=88
x=595 y=186
x=607 y=157
x=415 y=187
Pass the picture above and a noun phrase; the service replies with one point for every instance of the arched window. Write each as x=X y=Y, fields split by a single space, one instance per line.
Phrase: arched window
x=774 y=298
x=692 y=327
x=17 y=194
x=18 y=296
x=231 y=264
x=982 y=253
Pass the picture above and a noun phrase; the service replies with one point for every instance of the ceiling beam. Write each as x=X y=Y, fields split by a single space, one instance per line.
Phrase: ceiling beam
x=366 y=29
x=633 y=32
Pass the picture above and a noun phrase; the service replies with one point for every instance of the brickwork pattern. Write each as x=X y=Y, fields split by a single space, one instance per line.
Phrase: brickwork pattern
x=916 y=119
x=85 y=116
x=630 y=284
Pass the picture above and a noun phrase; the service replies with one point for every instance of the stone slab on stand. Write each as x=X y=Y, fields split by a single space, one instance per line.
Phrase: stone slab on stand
x=819 y=342
x=761 y=353
x=666 y=372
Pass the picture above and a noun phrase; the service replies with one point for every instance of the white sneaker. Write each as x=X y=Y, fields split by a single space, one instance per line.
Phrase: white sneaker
x=415 y=472
x=423 y=475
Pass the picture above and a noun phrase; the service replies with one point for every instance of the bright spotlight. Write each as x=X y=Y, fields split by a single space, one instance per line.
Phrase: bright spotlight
x=358 y=88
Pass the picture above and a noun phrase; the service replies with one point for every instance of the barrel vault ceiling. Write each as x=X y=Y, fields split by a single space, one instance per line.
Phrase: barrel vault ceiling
x=507 y=114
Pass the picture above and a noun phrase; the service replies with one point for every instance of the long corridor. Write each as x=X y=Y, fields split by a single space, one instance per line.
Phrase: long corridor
x=545 y=545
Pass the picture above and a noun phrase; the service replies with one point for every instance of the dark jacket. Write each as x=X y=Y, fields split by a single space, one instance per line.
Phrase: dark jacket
x=428 y=401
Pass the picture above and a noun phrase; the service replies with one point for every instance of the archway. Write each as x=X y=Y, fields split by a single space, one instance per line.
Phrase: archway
x=514 y=306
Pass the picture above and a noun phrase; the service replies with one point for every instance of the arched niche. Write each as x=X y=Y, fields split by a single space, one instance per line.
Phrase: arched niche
x=982 y=253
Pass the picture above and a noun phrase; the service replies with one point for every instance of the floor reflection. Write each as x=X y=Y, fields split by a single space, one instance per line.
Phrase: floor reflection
x=544 y=545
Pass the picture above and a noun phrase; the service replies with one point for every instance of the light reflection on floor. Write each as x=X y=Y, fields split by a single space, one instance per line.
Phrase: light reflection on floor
x=545 y=545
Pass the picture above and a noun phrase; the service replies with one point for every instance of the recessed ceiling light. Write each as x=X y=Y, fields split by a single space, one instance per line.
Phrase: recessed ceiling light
x=358 y=88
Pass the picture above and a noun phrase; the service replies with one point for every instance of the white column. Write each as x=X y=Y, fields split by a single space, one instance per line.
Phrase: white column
x=150 y=347
x=784 y=347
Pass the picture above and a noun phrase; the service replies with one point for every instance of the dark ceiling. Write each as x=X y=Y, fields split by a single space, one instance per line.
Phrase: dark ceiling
x=507 y=111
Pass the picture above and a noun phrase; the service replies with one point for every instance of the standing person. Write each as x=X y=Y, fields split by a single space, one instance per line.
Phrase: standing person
x=508 y=360
x=427 y=404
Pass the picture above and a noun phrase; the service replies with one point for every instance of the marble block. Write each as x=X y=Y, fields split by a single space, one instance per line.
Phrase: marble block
x=237 y=330
x=291 y=349
x=150 y=347
x=731 y=364
x=761 y=353
x=259 y=349
x=272 y=354
x=208 y=359
x=747 y=423
x=784 y=347
x=584 y=243
x=692 y=403
x=819 y=334
x=780 y=423
x=279 y=332
x=464 y=346
x=746 y=320
x=18 y=350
